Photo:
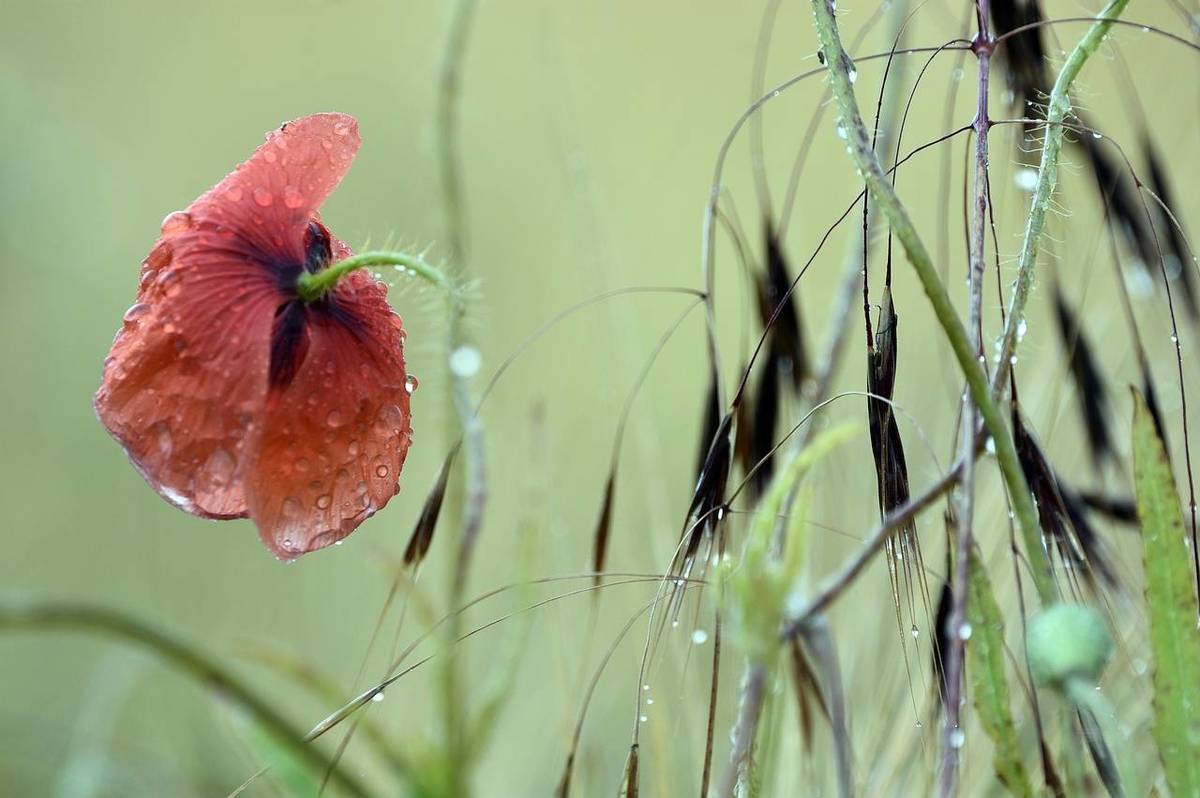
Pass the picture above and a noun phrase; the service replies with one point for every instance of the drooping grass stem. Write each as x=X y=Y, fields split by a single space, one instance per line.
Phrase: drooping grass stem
x=839 y=67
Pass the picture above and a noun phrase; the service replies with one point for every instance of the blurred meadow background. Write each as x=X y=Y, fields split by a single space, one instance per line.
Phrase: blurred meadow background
x=588 y=137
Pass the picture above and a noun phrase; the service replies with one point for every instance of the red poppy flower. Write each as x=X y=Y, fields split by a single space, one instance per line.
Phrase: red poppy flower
x=232 y=395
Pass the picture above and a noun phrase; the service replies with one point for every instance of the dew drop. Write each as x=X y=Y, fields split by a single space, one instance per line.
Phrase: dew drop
x=234 y=193
x=292 y=197
x=263 y=197
x=841 y=131
x=378 y=696
x=916 y=633
x=465 y=361
x=220 y=467
x=136 y=311
x=381 y=471
x=642 y=719
x=1022 y=328
x=957 y=738
x=853 y=75
x=411 y=384
x=964 y=632
x=177 y=222
x=699 y=637
x=1026 y=179
x=334 y=419
x=323 y=501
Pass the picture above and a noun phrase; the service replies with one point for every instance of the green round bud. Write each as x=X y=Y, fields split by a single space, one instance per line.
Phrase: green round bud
x=1066 y=641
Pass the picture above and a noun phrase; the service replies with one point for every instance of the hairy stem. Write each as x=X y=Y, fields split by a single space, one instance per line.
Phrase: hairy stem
x=1057 y=110
x=311 y=287
x=839 y=67
x=46 y=615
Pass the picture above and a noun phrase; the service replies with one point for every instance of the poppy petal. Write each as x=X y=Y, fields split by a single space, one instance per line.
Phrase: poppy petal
x=186 y=376
x=334 y=438
x=186 y=381
x=268 y=201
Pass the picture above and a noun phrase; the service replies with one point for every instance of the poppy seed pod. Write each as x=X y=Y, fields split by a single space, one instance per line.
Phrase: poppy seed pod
x=1065 y=642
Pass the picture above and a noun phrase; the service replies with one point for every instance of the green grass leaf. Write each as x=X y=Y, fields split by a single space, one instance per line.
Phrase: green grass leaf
x=1171 y=601
x=989 y=686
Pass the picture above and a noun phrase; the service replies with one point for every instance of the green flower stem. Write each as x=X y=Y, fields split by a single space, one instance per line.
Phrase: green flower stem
x=311 y=287
x=17 y=615
x=1059 y=107
x=839 y=67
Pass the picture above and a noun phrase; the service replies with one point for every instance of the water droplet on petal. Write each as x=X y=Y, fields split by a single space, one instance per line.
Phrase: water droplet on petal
x=411 y=384
x=323 y=501
x=263 y=197
x=176 y=223
x=136 y=311
x=292 y=197
x=334 y=419
x=220 y=467
x=234 y=193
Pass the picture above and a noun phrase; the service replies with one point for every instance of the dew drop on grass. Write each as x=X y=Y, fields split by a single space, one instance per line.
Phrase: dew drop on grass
x=964 y=632
x=1026 y=179
x=699 y=637
x=853 y=74
x=990 y=445
x=916 y=633
x=378 y=696
x=957 y=738
x=841 y=131
x=465 y=361
x=642 y=718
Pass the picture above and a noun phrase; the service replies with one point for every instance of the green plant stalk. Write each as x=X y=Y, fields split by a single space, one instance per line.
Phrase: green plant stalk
x=1171 y=607
x=839 y=66
x=1059 y=107
x=311 y=287
x=39 y=615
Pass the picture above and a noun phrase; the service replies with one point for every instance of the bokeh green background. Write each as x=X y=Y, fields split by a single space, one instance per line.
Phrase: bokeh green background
x=589 y=132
